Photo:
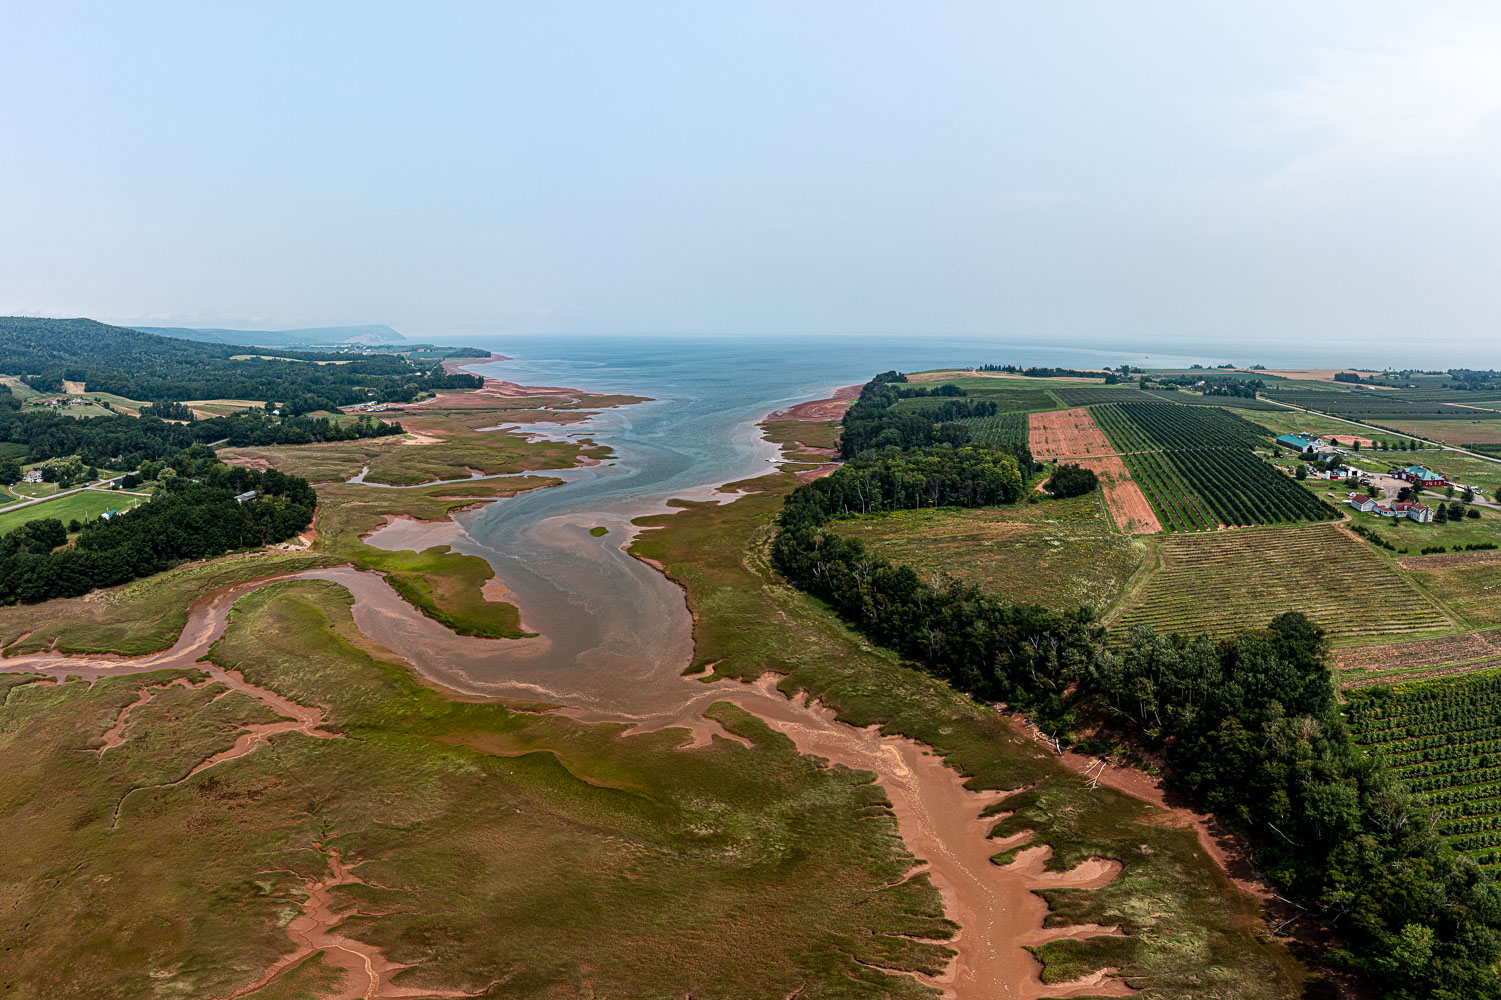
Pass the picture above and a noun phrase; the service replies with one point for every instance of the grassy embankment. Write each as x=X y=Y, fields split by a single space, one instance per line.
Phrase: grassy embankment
x=810 y=441
x=1192 y=932
x=515 y=854
x=1030 y=552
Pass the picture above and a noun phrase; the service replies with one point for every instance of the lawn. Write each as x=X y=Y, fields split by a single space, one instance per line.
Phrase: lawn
x=222 y=407
x=1030 y=553
x=1219 y=583
x=1415 y=537
x=85 y=505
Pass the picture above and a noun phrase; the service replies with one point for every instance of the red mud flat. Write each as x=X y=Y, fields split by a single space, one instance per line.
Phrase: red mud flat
x=941 y=821
x=367 y=973
x=458 y=366
x=820 y=409
x=1228 y=850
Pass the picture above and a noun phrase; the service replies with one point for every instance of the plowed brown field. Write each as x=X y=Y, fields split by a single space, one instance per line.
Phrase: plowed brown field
x=1128 y=505
x=1073 y=434
x=1066 y=434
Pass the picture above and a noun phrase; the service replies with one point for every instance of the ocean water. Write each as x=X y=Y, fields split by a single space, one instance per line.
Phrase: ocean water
x=614 y=634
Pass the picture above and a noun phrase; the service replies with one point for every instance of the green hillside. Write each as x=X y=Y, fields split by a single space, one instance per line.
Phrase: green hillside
x=324 y=335
x=45 y=353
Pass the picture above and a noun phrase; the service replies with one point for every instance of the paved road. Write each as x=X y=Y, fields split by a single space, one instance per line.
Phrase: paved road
x=62 y=493
x=1373 y=427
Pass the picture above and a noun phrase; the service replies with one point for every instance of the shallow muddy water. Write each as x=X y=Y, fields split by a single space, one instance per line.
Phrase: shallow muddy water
x=615 y=634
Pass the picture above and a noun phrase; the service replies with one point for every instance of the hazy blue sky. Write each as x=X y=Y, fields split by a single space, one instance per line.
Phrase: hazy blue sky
x=1059 y=171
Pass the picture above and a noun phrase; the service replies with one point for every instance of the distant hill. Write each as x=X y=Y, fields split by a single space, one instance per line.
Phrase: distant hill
x=138 y=365
x=308 y=336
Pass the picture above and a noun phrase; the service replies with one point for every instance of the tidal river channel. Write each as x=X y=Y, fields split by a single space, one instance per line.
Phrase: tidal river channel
x=614 y=634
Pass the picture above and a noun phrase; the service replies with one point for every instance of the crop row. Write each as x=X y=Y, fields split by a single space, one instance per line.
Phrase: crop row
x=1000 y=430
x=1217 y=582
x=1360 y=405
x=1196 y=467
x=1171 y=428
x=1178 y=508
x=1442 y=740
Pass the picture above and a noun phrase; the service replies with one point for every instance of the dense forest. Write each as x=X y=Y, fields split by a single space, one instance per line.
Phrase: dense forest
x=46 y=352
x=874 y=421
x=122 y=442
x=193 y=515
x=1249 y=725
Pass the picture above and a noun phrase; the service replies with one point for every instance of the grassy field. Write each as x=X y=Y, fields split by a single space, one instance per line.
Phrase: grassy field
x=1471 y=590
x=511 y=854
x=1294 y=422
x=222 y=407
x=1030 y=553
x=1410 y=537
x=1452 y=432
x=1217 y=583
x=86 y=504
x=1191 y=932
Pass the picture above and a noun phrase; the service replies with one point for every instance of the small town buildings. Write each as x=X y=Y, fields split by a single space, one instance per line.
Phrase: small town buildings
x=1421 y=475
x=1412 y=511
x=1301 y=442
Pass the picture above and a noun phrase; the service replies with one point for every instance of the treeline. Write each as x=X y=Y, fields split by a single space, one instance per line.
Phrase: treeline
x=1111 y=378
x=874 y=421
x=945 y=476
x=1252 y=730
x=1249 y=724
x=47 y=352
x=188 y=518
x=1213 y=386
x=122 y=442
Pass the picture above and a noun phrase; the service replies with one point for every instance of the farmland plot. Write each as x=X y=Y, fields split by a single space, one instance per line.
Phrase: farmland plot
x=1196 y=466
x=1000 y=430
x=1066 y=434
x=1071 y=435
x=1442 y=740
x=1220 y=583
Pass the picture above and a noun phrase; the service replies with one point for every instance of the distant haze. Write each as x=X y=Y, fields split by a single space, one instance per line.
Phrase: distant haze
x=1143 y=175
